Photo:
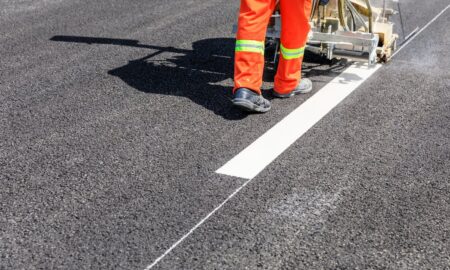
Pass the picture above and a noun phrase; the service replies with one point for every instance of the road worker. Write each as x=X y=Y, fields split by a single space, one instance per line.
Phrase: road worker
x=254 y=17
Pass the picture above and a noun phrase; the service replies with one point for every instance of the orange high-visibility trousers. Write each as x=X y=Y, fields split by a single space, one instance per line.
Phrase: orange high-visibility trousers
x=254 y=17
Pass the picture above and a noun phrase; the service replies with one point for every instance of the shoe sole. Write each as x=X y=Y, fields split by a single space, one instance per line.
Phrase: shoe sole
x=249 y=106
x=293 y=93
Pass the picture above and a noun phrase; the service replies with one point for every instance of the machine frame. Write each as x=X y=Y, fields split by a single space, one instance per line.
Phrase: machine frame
x=369 y=38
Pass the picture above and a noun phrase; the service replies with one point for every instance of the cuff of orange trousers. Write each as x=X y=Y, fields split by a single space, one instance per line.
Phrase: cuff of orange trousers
x=258 y=91
x=285 y=88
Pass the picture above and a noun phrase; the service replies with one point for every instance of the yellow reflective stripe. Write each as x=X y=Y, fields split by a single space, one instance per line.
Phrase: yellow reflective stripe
x=249 y=49
x=289 y=54
x=249 y=42
x=243 y=45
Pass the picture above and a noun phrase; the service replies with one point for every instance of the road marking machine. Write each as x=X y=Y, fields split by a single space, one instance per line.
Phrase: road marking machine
x=356 y=30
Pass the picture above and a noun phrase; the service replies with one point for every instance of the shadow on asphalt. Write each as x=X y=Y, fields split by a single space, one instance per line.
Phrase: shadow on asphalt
x=196 y=74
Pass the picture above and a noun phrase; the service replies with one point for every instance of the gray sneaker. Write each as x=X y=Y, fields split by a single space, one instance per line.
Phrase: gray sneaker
x=250 y=101
x=305 y=86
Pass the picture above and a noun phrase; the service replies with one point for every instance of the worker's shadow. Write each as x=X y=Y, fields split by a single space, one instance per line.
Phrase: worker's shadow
x=197 y=74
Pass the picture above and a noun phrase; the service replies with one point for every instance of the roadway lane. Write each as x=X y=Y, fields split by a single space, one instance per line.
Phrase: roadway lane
x=367 y=188
x=109 y=147
x=115 y=115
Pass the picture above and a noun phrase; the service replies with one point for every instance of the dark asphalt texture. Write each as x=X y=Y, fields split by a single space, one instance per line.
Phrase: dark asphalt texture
x=115 y=114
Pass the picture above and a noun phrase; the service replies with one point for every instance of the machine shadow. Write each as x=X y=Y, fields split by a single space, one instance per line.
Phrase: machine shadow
x=196 y=74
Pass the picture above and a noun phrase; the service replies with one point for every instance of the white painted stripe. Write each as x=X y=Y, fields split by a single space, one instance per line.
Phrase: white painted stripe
x=283 y=135
x=421 y=30
x=252 y=160
x=264 y=150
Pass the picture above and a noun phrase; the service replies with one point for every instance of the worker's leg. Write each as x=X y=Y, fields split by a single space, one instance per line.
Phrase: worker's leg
x=294 y=34
x=308 y=8
x=249 y=56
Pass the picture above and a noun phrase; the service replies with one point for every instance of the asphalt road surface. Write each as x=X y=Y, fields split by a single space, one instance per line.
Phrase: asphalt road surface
x=115 y=115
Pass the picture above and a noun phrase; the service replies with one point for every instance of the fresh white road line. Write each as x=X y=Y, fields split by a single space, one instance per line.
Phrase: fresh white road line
x=320 y=104
x=421 y=30
x=281 y=136
x=252 y=160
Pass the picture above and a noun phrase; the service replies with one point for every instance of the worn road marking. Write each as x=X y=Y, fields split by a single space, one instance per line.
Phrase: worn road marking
x=421 y=30
x=197 y=225
x=252 y=160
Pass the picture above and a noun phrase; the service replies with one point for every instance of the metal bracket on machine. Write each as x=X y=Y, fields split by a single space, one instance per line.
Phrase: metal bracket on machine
x=351 y=45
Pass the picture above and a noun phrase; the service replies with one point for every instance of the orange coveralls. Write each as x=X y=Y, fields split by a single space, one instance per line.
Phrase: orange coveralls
x=254 y=17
